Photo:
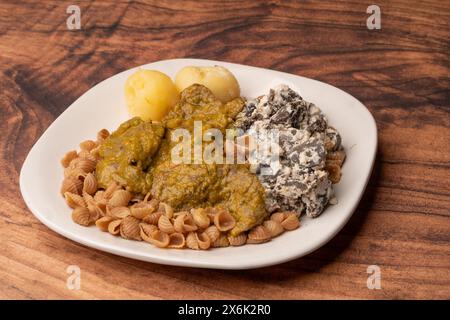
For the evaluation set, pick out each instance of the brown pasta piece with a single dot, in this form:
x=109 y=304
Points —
x=334 y=172
x=221 y=241
x=87 y=165
x=102 y=135
x=87 y=145
x=184 y=223
x=120 y=198
x=291 y=222
x=74 y=200
x=82 y=216
x=103 y=223
x=152 y=218
x=258 y=234
x=118 y=212
x=278 y=216
x=112 y=186
x=337 y=156
x=68 y=157
x=129 y=228
x=90 y=184
x=176 y=240
x=238 y=240
x=71 y=185
x=224 y=221
x=114 y=226
x=212 y=232
x=274 y=227
x=165 y=225
x=159 y=239
x=200 y=217
x=146 y=231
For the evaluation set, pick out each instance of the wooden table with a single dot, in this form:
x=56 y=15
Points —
x=400 y=72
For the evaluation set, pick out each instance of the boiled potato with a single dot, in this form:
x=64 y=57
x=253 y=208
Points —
x=150 y=94
x=219 y=80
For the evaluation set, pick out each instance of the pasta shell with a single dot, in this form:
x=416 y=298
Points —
x=74 y=200
x=87 y=165
x=278 y=216
x=338 y=156
x=291 y=222
x=203 y=241
x=88 y=145
x=102 y=135
x=68 y=157
x=146 y=231
x=176 y=240
x=120 y=198
x=99 y=196
x=210 y=212
x=74 y=162
x=224 y=221
x=274 y=227
x=103 y=223
x=152 y=218
x=200 y=217
x=239 y=240
x=258 y=234
x=114 y=226
x=71 y=185
x=198 y=241
x=140 y=212
x=212 y=232
x=76 y=173
x=165 y=225
x=129 y=228
x=166 y=209
x=221 y=241
x=96 y=210
x=184 y=223
x=334 y=172
x=82 y=216
x=112 y=186
x=95 y=153
x=159 y=239
x=118 y=212
x=90 y=184
x=192 y=241
x=84 y=154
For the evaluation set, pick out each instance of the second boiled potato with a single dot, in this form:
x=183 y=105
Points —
x=219 y=80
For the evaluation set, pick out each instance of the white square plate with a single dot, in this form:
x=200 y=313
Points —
x=103 y=106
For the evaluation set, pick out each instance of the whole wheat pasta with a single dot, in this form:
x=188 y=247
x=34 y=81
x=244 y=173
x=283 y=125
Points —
x=68 y=157
x=238 y=240
x=82 y=216
x=200 y=218
x=165 y=225
x=119 y=198
x=176 y=240
x=224 y=221
x=129 y=228
x=258 y=234
x=90 y=184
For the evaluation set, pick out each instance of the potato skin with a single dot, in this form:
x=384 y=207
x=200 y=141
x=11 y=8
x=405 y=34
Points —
x=150 y=94
x=218 y=79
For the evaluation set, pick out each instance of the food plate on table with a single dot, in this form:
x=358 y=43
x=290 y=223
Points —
x=154 y=210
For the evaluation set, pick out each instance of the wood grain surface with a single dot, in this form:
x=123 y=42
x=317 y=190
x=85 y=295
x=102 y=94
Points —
x=401 y=73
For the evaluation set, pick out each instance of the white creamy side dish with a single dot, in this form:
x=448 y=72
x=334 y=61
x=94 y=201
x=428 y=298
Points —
x=301 y=181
